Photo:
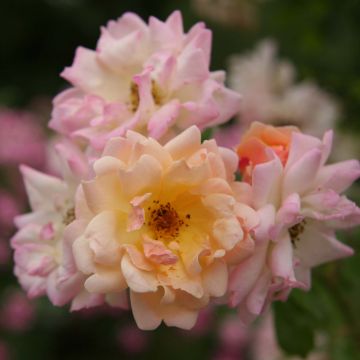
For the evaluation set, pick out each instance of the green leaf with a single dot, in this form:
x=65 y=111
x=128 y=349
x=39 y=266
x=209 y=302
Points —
x=294 y=330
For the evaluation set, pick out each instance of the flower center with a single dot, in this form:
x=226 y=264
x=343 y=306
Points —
x=165 y=221
x=295 y=232
x=134 y=97
x=156 y=93
x=69 y=217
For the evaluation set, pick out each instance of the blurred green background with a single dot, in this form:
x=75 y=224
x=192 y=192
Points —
x=321 y=38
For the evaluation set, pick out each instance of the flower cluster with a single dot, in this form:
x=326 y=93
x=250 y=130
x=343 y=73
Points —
x=145 y=215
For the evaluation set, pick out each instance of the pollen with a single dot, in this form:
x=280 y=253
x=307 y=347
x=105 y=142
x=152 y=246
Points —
x=156 y=93
x=165 y=221
x=69 y=216
x=296 y=231
x=134 y=97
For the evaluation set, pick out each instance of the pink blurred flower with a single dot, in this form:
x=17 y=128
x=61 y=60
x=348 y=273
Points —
x=9 y=208
x=204 y=322
x=132 y=339
x=17 y=312
x=4 y=350
x=233 y=335
x=21 y=139
x=4 y=251
x=159 y=221
x=300 y=206
x=152 y=78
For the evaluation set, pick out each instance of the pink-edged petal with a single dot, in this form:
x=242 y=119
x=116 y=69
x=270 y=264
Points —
x=60 y=293
x=42 y=188
x=288 y=215
x=35 y=286
x=329 y=205
x=266 y=183
x=301 y=144
x=75 y=163
x=327 y=145
x=157 y=252
x=191 y=67
x=120 y=55
x=318 y=245
x=266 y=222
x=300 y=176
x=257 y=298
x=88 y=74
x=339 y=176
x=163 y=119
x=136 y=217
x=244 y=276
x=281 y=259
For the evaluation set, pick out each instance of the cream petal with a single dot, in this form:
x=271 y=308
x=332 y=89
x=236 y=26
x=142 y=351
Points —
x=105 y=193
x=85 y=300
x=184 y=144
x=107 y=164
x=145 y=310
x=105 y=281
x=144 y=176
x=215 y=278
x=83 y=255
x=138 y=280
x=102 y=237
x=180 y=317
x=227 y=232
x=247 y=215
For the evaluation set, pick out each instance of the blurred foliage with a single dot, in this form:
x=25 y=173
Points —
x=321 y=37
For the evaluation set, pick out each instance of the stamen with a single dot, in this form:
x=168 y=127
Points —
x=296 y=231
x=69 y=216
x=164 y=221
x=156 y=93
x=134 y=97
